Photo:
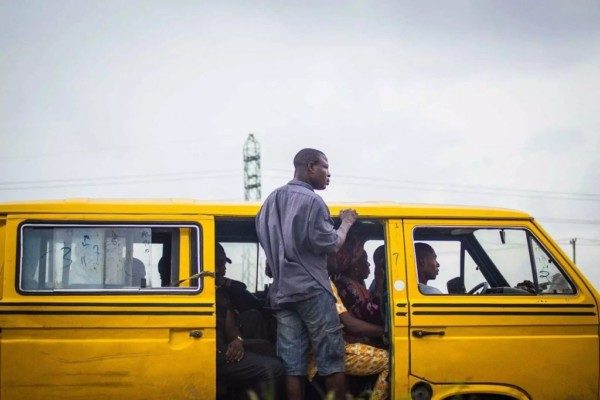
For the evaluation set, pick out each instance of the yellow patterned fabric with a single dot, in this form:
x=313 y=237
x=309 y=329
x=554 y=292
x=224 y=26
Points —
x=338 y=302
x=362 y=359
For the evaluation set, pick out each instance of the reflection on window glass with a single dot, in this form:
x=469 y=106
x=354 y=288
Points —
x=551 y=280
x=509 y=252
x=106 y=257
x=472 y=274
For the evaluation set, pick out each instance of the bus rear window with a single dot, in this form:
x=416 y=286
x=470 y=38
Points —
x=107 y=257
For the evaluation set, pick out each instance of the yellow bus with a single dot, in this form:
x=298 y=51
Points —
x=116 y=300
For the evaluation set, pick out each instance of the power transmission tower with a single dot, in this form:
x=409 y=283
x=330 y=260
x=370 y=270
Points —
x=252 y=192
x=573 y=241
x=252 y=169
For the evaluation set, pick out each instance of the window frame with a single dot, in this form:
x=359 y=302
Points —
x=195 y=256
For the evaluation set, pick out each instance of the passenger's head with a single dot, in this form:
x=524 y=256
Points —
x=164 y=270
x=379 y=256
x=352 y=259
x=164 y=264
x=311 y=166
x=427 y=265
x=379 y=261
x=221 y=259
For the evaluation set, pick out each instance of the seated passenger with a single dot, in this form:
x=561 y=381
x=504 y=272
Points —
x=427 y=267
x=240 y=296
x=248 y=307
x=164 y=267
x=352 y=270
x=239 y=367
x=377 y=286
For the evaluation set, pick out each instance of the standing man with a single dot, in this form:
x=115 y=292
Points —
x=296 y=231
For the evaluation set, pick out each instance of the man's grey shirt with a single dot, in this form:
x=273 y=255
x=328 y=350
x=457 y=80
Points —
x=295 y=229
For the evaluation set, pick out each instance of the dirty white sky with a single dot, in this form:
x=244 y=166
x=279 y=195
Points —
x=462 y=102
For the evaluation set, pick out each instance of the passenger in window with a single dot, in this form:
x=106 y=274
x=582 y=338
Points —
x=164 y=266
x=378 y=287
x=248 y=308
x=352 y=270
x=378 y=284
x=427 y=267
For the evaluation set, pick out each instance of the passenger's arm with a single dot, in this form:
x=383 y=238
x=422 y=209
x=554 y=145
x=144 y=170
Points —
x=235 y=347
x=348 y=218
x=358 y=327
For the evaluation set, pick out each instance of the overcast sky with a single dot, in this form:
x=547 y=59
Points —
x=491 y=103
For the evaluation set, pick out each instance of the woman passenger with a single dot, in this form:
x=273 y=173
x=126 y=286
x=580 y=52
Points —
x=352 y=270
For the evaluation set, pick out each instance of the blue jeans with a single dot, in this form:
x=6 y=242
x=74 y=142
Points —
x=315 y=322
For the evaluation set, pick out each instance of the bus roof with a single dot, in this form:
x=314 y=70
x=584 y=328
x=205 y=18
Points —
x=247 y=209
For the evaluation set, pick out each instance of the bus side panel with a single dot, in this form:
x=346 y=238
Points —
x=133 y=363
x=105 y=345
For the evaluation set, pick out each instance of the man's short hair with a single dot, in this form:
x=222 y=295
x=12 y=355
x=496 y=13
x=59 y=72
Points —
x=307 y=156
x=423 y=249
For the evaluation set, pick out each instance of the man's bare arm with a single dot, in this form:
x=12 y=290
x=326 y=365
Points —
x=348 y=218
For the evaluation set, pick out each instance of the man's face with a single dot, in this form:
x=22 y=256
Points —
x=221 y=266
x=428 y=266
x=319 y=173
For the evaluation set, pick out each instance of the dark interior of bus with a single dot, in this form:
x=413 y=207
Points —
x=242 y=233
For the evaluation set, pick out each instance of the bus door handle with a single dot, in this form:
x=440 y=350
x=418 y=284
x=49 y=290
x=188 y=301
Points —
x=419 y=333
x=196 y=334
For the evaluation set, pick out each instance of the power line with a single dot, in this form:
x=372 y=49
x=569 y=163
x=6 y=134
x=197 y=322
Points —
x=578 y=244
x=431 y=187
x=98 y=150
x=116 y=180
x=343 y=179
x=458 y=188
x=581 y=241
x=569 y=221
